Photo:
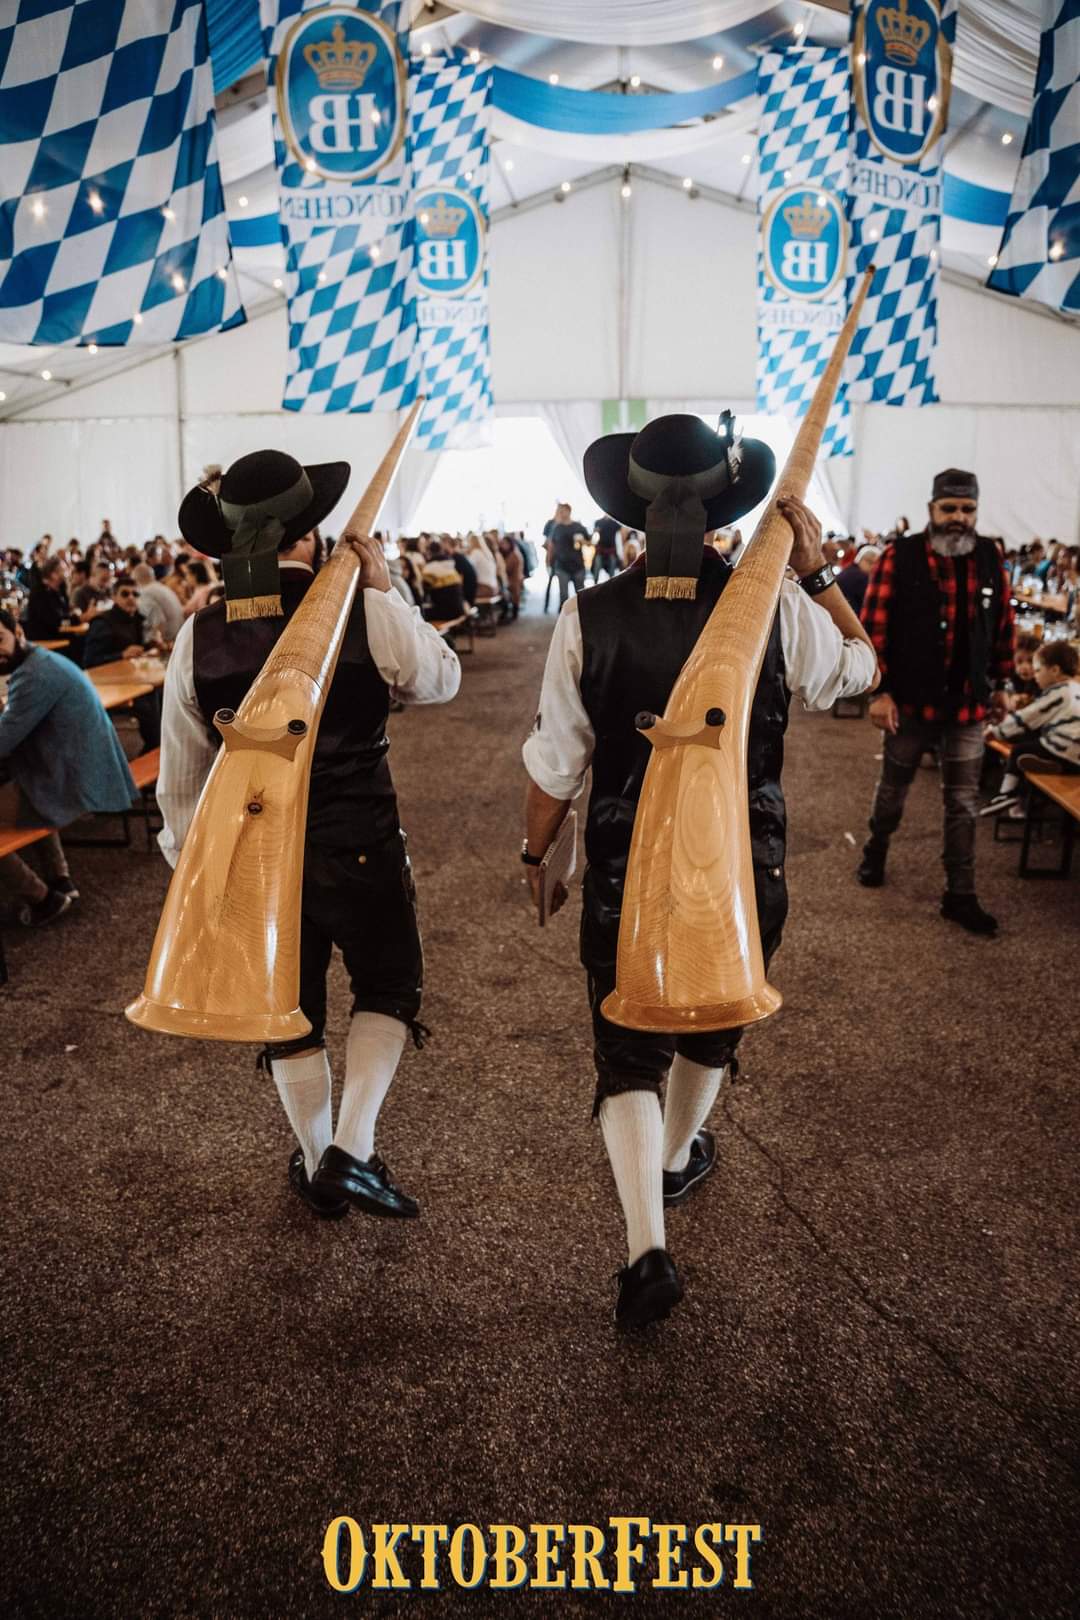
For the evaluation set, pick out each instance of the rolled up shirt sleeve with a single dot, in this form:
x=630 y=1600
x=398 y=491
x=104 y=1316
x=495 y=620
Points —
x=559 y=749
x=820 y=665
x=410 y=655
x=187 y=752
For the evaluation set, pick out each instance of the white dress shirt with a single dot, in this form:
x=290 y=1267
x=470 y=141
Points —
x=819 y=667
x=411 y=657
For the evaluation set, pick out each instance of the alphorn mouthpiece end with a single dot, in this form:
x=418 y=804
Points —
x=644 y=721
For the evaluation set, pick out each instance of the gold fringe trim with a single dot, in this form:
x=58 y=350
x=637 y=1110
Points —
x=671 y=587
x=253 y=607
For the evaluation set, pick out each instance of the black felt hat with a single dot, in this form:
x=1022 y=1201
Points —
x=676 y=446
x=242 y=516
x=677 y=479
x=208 y=519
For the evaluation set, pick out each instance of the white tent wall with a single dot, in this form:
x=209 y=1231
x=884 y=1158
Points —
x=676 y=276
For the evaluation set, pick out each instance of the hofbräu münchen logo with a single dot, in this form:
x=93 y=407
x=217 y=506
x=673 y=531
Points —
x=902 y=71
x=804 y=241
x=341 y=94
x=449 y=243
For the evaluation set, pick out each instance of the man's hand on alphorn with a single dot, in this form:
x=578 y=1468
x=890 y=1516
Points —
x=374 y=574
x=806 y=554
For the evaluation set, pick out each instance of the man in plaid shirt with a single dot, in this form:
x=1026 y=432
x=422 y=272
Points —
x=938 y=610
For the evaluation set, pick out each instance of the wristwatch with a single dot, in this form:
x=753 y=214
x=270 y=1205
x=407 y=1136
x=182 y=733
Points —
x=530 y=860
x=820 y=580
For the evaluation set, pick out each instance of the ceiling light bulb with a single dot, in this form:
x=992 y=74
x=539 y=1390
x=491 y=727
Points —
x=687 y=183
x=746 y=157
x=376 y=116
x=3 y=396
x=799 y=29
x=553 y=78
x=277 y=282
x=872 y=233
x=717 y=62
x=635 y=81
x=91 y=348
x=168 y=213
x=931 y=102
x=474 y=57
x=787 y=174
x=223 y=274
x=137 y=318
x=626 y=189
x=375 y=250
x=565 y=187
x=309 y=164
x=508 y=165
x=47 y=375
x=992 y=260
x=37 y=208
x=322 y=275
x=96 y=203
x=468 y=174
x=425 y=49
x=179 y=283
x=861 y=59
x=242 y=202
x=424 y=218
x=1057 y=250
x=1006 y=139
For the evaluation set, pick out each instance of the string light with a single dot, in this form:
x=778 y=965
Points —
x=799 y=29
x=822 y=199
x=626 y=188
x=242 y=202
x=931 y=102
x=375 y=250
x=861 y=59
x=137 y=318
x=468 y=174
x=635 y=81
x=992 y=260
x=38 y=209
x=746 y=157
x=168 y=213
x=1057 y=250
x=717 y=63
x=873 y=233
x=376 y=116
x=474 y=57
x=96 y=203
x=223 y=274
x=565 y=187
x=508 y=165
x=179 y=283
x=3 y=396
x=278 y=283
x=91 y=348
x=425 y=48
x=787 y=174
x=424 y=217
x=687 y=183
x=1006 y=139
x=322 y=276
x=309 y=164
x=553 y=78
x=46 y=376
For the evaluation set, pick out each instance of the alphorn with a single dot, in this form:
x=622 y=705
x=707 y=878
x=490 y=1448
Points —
x=689 y=954
x=225 y=965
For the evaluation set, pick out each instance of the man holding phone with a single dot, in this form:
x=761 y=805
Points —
x=938 y=610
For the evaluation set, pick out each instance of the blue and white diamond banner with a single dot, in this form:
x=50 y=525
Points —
x=112 y=216
x=1039 y=255
x=802 y=244
x=340 y=110
x=449 y=110
x=901 y=69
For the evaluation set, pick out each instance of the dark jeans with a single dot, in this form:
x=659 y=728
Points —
x=1034 y=749
x=960 y=752
x=15 y=875
x=364 y=902
x=567 y=577
x=604 y=562
x=638 y=1060
x=147 y=711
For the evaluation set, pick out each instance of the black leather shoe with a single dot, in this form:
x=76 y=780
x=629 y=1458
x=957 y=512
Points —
x=870 y=871
x=678 y=1184
x=647 y=1290
x=966 y=910
x=330 y=1208
x=365 y=1183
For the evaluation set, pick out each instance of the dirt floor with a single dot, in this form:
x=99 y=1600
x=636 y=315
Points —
x=877 y=1357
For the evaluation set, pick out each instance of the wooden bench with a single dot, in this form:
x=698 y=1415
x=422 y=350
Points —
x=12 y=839
x=487 y=611
x=449 y=629
x=1064 y=791
x=144 y=773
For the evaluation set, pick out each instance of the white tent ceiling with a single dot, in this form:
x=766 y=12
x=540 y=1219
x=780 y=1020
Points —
x=996 y=49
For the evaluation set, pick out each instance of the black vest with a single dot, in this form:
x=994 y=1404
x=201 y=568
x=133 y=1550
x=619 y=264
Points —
x=633 y=651
x=915 y=640
x=351 y=801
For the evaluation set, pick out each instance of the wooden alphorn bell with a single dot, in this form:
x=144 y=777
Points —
x=225 y=964
x=689 y=954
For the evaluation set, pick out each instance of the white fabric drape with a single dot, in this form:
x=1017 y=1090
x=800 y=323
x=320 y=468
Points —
x=997 y=51
x=574 y=424
x=616 y=22
x=62 y=478
x=647 y=146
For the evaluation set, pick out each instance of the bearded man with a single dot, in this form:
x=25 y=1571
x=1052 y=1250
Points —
x=938 y=610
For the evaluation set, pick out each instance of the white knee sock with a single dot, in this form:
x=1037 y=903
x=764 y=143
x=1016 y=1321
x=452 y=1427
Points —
x=633 y=1131
x=303 y=1085
x=371 y=1060
x=691 y=1092
x=1010 y=782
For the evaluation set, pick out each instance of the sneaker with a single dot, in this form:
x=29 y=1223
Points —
x=1000 y=802
x=1016 y=812
x=1036 y=765
x=65 y=885
x=966 y=910
x=46 y=911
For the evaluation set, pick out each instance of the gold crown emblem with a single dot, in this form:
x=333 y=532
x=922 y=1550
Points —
x=443 y=219
x=806 y=218
x=903 y=34
x=342 y=65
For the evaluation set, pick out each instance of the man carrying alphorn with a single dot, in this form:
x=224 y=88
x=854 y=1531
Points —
x=358 y=892
x=616 y=652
